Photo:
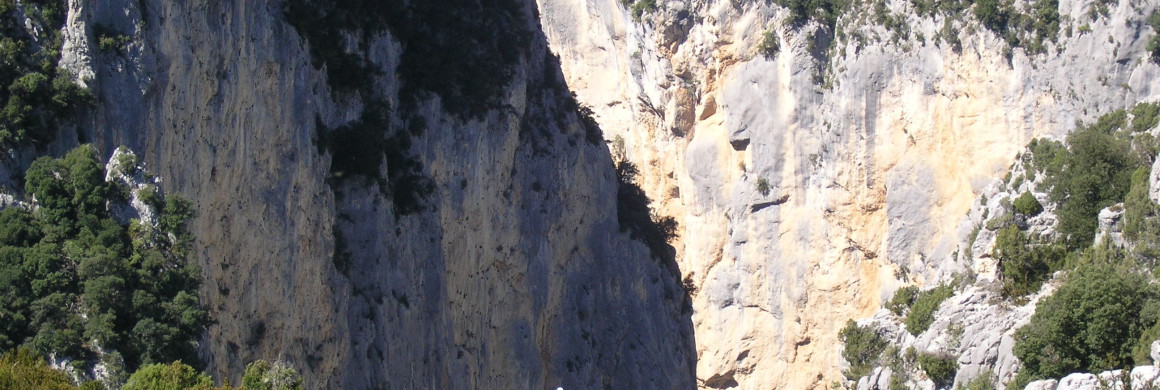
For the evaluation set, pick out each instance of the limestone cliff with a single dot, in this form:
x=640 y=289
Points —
x=507 y=270
x=809 y=187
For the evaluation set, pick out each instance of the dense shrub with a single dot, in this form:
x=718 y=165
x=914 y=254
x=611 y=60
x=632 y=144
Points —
x=863 y=347
x=1090 y=324
x=167 y=377
x=941 y=369
x=24 y=369
x=641 y=7
x=763 y=186
x=922 y=311
x=110 y=40
x=992 y=14
x=770 y=44
x=1030 y=27
x=903 y=298
x=1145 y=116
x=983 y=381
x=825 y=12
x=1154 y=48
x=1154 y=43
x=1043 y=156
x=1142 y=350
x=1025 y=262
x=1026 y=204
x=1138 y=206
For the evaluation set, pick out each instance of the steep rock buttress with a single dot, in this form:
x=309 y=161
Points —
x=502 y=265
x=811 y=183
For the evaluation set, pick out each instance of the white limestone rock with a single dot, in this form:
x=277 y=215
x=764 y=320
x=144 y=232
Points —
x=1155 y=353
x=1079 y=381
x=1154 y=182
x=127 y=173
x=878 y=379
x=1145 y=376
x=1111 y=225
x=1043 y=384
x=75 y=46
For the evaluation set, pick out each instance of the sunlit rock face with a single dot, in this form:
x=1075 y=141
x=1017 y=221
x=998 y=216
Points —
x=809 y=189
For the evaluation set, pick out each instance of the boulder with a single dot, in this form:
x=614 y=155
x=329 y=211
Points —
x=1079 y=381
x=1155 y=352
x=1144 y=377
x=1044 y=384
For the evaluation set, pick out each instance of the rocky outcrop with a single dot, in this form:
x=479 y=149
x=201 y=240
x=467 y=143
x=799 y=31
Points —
x=1139 y=378
x=882 y=151
x=1111 y=225
x=513 y=274
x=969 y=326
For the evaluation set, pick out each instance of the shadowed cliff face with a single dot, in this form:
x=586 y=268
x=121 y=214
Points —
x=506 y=270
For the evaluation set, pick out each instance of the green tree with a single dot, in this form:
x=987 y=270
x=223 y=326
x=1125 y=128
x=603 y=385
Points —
x=1145 y=116
x=1090 y=324
x=174 y=376
x=1026 y=204
x=940 y=369
x=992 y=14
x=1095 y=173
x=43 y=182
x=18 y=228
x=922 y=311
x=86 y=180
x=770 y=45
x=863 y=347
x=903 y=298
x=70 y=257
x=1138 y=207
x=14 y=298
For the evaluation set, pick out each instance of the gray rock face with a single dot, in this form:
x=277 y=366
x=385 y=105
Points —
x=1154 y=182
x=515 y=274
x=1155 y=353
x=878 y=379
x=1111 y=225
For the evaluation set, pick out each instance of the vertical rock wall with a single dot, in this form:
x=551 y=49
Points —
x=869 y=169
x=514 y=275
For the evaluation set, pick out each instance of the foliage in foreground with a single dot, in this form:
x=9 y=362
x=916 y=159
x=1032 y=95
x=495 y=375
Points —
x=1092 y=323
x=24 y=369
x=69 y=256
